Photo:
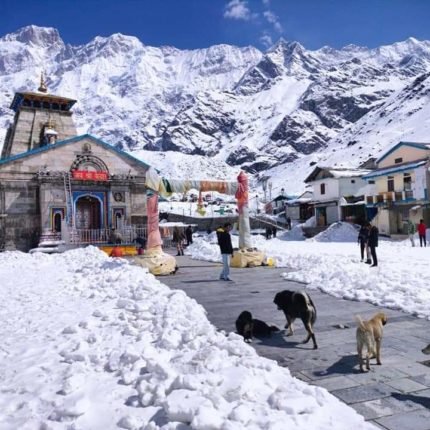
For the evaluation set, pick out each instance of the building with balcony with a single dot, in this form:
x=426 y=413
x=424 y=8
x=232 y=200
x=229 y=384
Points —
x=401 y=187
x=337 y=194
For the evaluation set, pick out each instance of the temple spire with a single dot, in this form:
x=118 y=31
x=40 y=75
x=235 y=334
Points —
x=42 y=87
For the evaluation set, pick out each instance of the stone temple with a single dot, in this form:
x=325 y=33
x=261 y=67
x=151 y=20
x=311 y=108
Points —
x=55 y=183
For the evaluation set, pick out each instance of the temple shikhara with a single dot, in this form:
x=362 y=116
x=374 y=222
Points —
x=55 y=183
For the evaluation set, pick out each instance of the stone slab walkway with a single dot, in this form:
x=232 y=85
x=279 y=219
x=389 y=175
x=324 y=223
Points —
x=394 y=396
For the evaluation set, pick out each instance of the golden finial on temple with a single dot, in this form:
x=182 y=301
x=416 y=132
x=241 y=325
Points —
x=42 y=88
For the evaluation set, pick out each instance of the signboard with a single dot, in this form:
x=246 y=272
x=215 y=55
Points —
x=85 y=175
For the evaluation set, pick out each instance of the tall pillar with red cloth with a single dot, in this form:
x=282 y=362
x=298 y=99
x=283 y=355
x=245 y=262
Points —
x=154 y=237
x=242 y=203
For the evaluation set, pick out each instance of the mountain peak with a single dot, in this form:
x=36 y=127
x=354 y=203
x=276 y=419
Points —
x=283 y=45
x=32 y=34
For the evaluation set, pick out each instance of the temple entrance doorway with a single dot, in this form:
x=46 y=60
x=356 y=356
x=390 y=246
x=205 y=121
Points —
x=57 y=223
x=88 y=213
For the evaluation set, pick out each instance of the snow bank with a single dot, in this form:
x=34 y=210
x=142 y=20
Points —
x=296 y=233
x=399 y=282
x=89 y=342
x=337 y=232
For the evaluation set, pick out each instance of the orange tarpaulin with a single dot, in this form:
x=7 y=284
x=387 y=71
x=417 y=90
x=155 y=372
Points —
x=219 y=186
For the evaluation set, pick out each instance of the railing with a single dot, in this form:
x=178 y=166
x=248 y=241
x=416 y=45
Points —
x=390 y=196
x=106 y=235
x=409 y=194
x=398 y=195
x=268 y=221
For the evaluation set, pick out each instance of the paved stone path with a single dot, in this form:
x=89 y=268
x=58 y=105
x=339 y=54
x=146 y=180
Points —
x=393 y=396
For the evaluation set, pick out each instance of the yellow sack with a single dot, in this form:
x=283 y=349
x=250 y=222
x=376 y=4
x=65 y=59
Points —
x=271 y=262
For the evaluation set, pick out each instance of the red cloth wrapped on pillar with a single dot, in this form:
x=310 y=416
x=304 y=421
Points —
x=242 y=191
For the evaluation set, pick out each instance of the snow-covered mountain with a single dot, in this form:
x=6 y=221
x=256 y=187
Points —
x=275 y=113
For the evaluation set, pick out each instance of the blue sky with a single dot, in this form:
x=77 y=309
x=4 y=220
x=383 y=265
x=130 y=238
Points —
x=201 y=23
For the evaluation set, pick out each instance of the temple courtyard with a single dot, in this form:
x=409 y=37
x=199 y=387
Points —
x=393 y=396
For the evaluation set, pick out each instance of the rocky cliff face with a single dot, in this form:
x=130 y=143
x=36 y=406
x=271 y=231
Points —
x=278 y=111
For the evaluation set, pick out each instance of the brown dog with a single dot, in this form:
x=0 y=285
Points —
x=298 y=304
x=369 y=335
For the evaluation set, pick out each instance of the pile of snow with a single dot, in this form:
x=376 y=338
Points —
x=399 y=282
x=296 y=233
x=337 y=232
x=90 y=342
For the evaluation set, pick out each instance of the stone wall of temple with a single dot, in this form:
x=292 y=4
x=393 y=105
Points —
x=20 y=215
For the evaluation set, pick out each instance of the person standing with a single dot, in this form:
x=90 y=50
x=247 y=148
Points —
x=226 y=248
x=422 y=233
x=363 y=237
x=178 y=237
x=373 y=243
x=189 y=235
x=411 y=232
x=274 y=231
x=289 y=223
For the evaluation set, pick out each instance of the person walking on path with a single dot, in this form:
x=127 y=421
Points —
x=363 y=237
x=289 y=223
x=411 y=231
x=274 y=231
x=189 y=235
x=224 y=242
x=373 y=243
x=268 y=233
x=422 y=233
x=178 y=238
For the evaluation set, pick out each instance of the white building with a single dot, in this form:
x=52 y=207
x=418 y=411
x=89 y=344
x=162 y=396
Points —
x=336 y=194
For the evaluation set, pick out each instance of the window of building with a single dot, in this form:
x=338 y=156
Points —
x=390 y=183
x=322 y=188
x=352 y=181
x=398 y=160
x=372 y=182
x=407 y=182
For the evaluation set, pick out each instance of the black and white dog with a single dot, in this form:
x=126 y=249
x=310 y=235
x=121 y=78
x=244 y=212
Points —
x=298 y=304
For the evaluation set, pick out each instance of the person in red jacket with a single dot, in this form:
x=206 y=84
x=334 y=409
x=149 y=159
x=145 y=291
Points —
x=422 y=233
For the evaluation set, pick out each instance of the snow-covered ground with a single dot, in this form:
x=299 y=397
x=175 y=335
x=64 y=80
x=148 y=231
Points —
x=331 y=263
x=90 y=342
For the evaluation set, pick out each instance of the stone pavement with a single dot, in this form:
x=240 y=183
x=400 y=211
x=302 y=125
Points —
x=394 y=396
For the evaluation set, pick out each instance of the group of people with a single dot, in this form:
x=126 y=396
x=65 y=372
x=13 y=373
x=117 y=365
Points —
x=368 y=240
x=421 y=232
x=179 y=238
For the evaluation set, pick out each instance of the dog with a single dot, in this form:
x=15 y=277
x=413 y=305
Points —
x=426 y=350
x=244 y=325
x=298 y=304
x=369 y=335
x=262 y=329
x=249 y=327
